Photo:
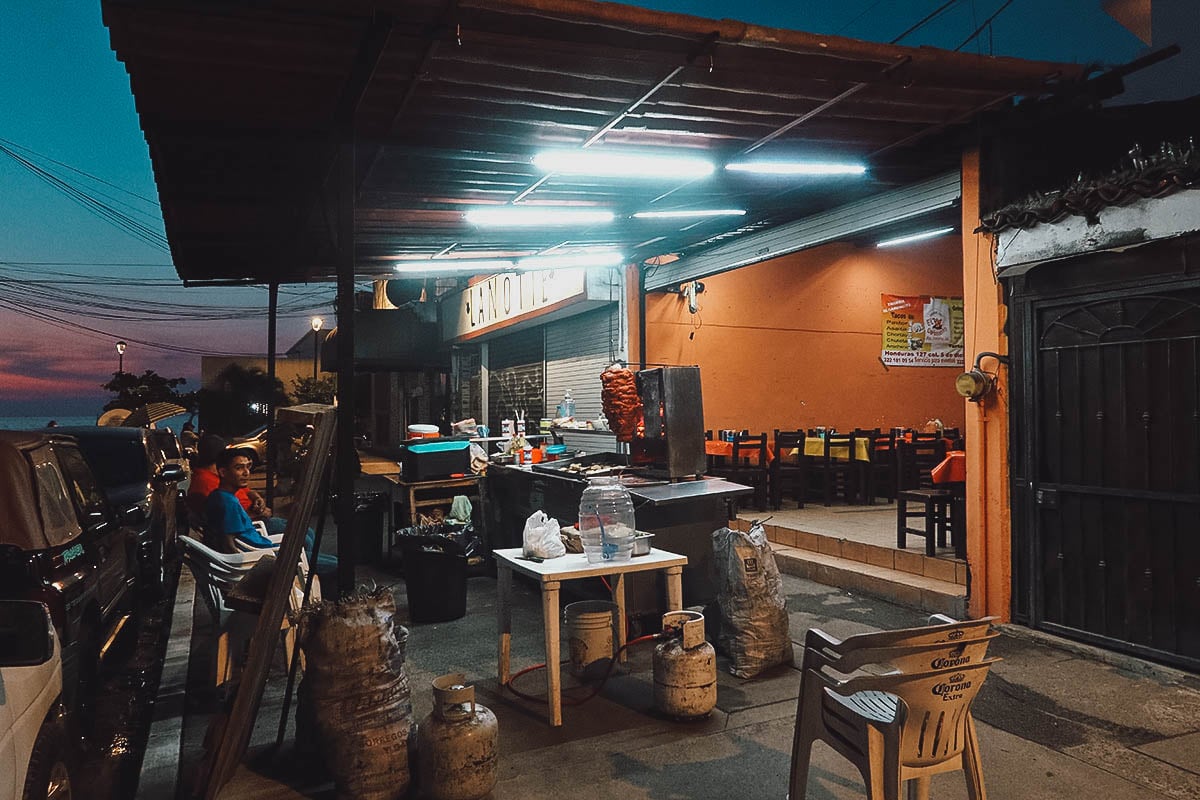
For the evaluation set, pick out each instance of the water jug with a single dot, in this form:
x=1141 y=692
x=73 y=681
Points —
x=606 y=522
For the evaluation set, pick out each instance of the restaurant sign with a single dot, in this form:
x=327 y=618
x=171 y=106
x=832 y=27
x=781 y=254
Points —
x=502 y=299
x=922 y=331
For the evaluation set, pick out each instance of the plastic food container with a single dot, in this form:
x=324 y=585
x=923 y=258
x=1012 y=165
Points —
x=641 y=544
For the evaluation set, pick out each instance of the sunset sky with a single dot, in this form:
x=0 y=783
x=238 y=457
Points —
x=67 y=109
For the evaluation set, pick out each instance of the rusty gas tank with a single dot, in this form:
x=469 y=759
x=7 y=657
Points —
x=685 y=668
x=457 y=744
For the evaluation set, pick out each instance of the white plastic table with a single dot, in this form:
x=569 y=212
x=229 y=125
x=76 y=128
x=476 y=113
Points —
x=550 y=574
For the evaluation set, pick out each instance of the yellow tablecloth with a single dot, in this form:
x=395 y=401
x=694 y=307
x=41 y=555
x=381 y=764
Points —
x=815 y=446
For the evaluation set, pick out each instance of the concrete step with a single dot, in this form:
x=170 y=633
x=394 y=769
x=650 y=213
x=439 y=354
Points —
x=907 y=577
x=930 y=595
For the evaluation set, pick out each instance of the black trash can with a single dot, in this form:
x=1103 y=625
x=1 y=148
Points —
x=435 y=576
x=370 y=514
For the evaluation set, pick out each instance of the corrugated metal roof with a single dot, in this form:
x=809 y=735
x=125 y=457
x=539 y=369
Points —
x=244 y=107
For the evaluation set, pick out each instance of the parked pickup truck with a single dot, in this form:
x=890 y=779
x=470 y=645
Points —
x=62 y=544
x=136 y=479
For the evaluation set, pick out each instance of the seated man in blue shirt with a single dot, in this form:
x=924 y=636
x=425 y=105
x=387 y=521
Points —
x=227 y=518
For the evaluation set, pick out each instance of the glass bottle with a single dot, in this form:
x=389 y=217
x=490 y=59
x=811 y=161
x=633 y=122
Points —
x=606 y=521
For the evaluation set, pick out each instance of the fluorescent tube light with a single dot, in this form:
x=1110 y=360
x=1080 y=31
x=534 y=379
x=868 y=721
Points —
x=914 y=237
x=453 y=266
x=536 y=216
x=813 y=168
x=599 y=258
x=621 y=165
x=684 y=214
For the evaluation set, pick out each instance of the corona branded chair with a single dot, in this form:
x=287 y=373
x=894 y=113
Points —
x=905 y=713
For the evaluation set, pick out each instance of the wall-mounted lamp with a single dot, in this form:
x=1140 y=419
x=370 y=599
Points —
x=690 y=290
x=975 y=383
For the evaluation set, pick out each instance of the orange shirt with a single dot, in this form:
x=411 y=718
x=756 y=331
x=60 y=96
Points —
x=203 y=482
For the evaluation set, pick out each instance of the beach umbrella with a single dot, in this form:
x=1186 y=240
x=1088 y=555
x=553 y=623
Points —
x=151 y=412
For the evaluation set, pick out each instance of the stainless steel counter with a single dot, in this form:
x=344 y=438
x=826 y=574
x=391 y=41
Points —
x=683 y=491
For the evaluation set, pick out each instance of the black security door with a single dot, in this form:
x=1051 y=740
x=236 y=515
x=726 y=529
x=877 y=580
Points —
x=1107 y=502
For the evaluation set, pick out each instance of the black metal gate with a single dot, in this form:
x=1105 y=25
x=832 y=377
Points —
x=1106 y=496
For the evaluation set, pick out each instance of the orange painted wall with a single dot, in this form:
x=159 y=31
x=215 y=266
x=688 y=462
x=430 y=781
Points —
x=989 y=517
x=795 y=341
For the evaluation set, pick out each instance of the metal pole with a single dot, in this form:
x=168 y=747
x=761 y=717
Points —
x=272 y=326
x=315 y=333
x=346 y=460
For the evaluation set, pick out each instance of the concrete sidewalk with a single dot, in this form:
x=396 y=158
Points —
x=1055 y=719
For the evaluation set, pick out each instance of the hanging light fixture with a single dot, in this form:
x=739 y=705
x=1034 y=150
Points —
x=809 y=168
x=608 y=164
x=536 y=216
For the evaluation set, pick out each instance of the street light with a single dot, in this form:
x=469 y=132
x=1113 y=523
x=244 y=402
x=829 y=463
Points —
x=121 y=356
x=316 y=322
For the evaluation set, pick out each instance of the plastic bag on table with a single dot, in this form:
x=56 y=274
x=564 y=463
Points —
x=753 y=618
x=541 y=538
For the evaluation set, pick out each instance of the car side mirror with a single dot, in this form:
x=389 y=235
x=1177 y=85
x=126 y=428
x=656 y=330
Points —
x=171 y=474
x=26 y=634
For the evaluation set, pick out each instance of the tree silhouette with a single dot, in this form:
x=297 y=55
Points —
x=307 y=390
x=240 y=400
x=133 y=391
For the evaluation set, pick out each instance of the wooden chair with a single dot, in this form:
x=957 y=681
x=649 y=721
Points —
x=905 y=721
x=878 y=475
x=836 y=475
x=789 y=470
x=751 y=466
x=914 y=484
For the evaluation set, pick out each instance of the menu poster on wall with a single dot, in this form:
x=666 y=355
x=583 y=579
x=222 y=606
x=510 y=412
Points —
x=922 y=331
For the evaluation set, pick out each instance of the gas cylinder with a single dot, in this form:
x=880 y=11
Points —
x=685 y=668
x=457 y=743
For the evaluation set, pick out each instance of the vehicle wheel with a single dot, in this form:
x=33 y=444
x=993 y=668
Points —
x=50 y=766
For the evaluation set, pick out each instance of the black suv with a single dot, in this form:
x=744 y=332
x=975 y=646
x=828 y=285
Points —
x=136 y=478
x=61 y=544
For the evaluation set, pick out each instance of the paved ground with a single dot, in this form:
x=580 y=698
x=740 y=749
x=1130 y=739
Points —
x=1055 y=719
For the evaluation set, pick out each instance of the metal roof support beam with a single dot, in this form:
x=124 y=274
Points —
x=272 y=327
x=431 y=48
x=343 y=168
x=703 y=48
x=853 y=90
x=345 y=460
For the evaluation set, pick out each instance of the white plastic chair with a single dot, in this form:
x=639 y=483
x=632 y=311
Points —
x=216 y=573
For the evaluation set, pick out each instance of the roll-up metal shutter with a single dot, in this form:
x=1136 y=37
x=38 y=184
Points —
x=577 y=350
x=516 y=377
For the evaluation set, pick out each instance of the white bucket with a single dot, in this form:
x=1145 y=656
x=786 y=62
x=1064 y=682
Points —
x=423 y=431
x=591 y=637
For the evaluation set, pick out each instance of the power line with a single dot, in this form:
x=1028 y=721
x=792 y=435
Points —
x=89 y=176
x=927 y=18
x=985 y=24
x=858 y=16
x=90 y=203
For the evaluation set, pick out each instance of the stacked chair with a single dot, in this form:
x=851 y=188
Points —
x=216 y=574
x=896 y=704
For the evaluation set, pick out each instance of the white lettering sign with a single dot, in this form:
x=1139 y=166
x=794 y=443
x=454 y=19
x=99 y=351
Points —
x=503 y=298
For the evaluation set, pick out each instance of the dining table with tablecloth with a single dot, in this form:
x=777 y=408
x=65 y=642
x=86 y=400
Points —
x=815 y=446
x=722 y=448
